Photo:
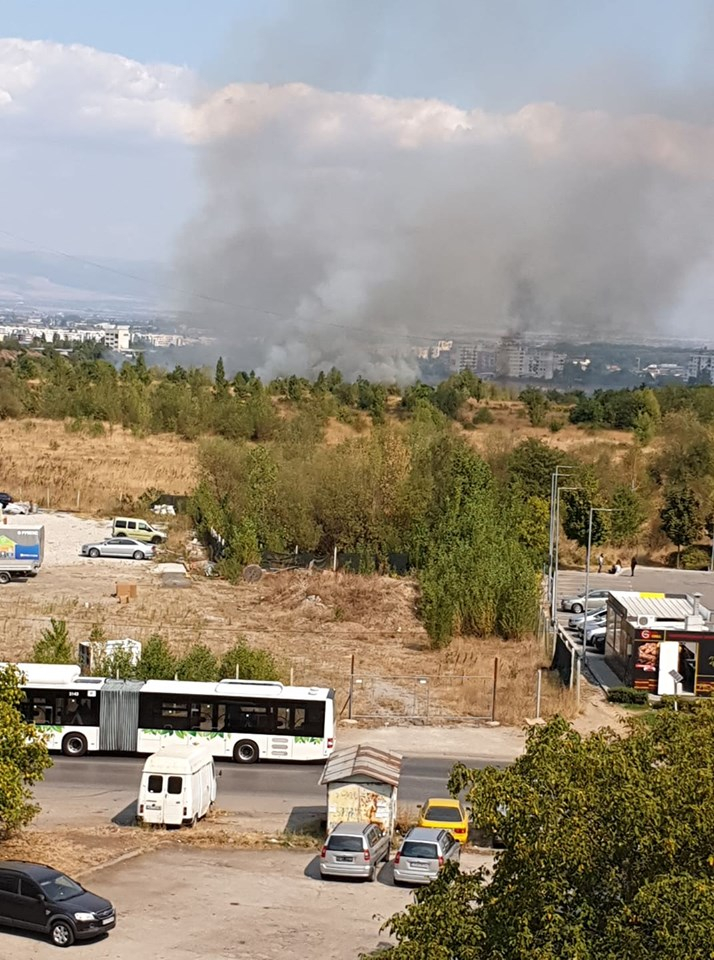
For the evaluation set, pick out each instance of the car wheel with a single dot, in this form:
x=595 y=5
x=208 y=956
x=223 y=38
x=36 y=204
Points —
x=62 y=934
x=74 y=745
x=139 y=555
x=577 y=608
x=93 y=553
x=5 y=576
x=245 y=751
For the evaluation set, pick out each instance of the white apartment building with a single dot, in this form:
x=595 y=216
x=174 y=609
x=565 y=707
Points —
x=117 y=338
x=700 y=365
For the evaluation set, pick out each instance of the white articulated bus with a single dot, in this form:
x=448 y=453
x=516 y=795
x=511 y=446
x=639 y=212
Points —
x=245 y=720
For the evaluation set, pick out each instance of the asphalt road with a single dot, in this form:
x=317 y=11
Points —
x=96 y=790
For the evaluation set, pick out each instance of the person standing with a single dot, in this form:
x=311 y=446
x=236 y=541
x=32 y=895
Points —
x=600 y=561
x=633 y=565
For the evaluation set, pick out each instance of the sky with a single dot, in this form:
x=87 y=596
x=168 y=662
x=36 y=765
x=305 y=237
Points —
x=201 y=134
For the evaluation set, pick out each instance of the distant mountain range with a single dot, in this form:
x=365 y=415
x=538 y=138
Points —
x=46 y=280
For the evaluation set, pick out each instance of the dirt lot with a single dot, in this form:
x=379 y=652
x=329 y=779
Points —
x=183 y=904
x=311 y=621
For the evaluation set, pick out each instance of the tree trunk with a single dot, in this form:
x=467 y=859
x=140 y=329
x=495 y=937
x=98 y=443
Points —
x=679 y=551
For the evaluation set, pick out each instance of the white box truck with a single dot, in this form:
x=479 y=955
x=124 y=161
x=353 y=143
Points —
x=178 y=786
x=22 y=549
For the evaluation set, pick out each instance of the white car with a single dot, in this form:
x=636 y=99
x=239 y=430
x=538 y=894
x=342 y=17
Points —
x=121 y=548
x=580 y=618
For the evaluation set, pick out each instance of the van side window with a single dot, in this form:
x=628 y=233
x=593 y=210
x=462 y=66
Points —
x=156 y=783
x=28 y=888
x=175 y=784
x=8 y=883
x=131 y=524
x=120 y=524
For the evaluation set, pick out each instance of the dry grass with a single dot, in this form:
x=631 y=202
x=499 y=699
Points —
x=45 y=463
x=313 y=623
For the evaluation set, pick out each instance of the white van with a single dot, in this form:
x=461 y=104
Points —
x=178 y=785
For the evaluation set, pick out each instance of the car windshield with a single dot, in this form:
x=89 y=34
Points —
x=345 y=844
x=443 y=814
x=60 y=888
x=419 y=850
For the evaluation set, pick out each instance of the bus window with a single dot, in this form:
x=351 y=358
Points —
x=201 y=716
x=42 y=713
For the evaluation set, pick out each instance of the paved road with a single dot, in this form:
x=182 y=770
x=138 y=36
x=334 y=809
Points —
x=97 y=789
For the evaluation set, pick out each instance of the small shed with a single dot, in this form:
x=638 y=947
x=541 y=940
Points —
x=362 y=786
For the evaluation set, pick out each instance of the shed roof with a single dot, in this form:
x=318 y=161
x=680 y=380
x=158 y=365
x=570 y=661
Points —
x=662 y=606
x=383 y=766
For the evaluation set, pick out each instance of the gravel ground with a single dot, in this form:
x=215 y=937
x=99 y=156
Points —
x=224 y=905
x=64 y=536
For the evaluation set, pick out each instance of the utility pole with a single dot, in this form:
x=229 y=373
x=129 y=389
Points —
x=593 y=510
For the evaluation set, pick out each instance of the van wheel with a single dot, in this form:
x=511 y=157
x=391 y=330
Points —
x=156 y=540
x=74 y=745
x=5 y=576
x=120 y=533
x=245 y=752
x=62 y=934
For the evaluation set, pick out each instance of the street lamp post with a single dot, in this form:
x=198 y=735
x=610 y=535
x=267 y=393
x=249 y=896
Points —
x=556 y=544
x=593 y=510
x=553 y=493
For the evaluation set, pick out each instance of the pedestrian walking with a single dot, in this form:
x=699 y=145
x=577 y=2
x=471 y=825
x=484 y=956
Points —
x=633 y=565
x=600 y=561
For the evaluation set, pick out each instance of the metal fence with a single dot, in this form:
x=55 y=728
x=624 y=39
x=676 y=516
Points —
x=422 y=697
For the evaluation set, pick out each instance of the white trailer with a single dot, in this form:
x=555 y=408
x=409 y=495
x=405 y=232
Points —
x=178 y=785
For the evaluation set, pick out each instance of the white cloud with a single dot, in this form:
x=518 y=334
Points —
x=77 y=90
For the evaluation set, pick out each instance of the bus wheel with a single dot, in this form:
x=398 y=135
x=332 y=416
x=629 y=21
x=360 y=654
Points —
x=245 y=752
x=74 y=745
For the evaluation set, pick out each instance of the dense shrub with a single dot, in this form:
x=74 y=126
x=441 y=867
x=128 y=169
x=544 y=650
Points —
x=626 y=695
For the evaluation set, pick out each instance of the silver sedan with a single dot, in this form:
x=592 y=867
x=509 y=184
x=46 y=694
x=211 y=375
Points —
x=122 y=548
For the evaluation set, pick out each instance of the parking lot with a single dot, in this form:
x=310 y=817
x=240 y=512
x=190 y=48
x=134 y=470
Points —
x=218 y=905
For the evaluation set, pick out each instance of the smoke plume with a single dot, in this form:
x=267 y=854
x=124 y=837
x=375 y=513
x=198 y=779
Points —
x=346 y=227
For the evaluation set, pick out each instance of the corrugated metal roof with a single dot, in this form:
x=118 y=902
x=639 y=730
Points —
x=661 y=606
x=383 y=766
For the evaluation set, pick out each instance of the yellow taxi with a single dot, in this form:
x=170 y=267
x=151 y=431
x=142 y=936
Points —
x=445 y=815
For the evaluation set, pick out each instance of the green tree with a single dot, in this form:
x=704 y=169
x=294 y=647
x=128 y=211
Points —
x=157 y=662
x=628 y=515
x=199 y=664
x=576 y=518
x=54 y=644
x=536 y=404
x=606 y=851
x=220 y=375
x=532 y=463
x=680 y=519
x=251 y=663
x=23 y=755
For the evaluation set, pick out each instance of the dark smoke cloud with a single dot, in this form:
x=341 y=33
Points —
x=343 y=228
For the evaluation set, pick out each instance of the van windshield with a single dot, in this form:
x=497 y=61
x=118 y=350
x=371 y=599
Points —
x=345 y=844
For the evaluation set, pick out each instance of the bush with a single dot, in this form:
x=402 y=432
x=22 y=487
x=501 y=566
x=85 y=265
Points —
x=54 y=645
x=555 y=426
x=692 y=558
x=627 y=695
x=252 y=664
x=482 y=415
x=199 y=665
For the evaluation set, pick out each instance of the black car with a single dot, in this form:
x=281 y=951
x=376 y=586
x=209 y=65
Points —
x=39 y=898
x=5 y=498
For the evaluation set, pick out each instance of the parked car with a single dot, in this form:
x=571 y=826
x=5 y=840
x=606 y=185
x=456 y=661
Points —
x=595 y=638
x=576 y=604
x=588 y=625
x=137 y=529
x=120 y=548
x=40 y=898
x=422 y=853
x=445 y=814
x=579 y=618
x=5 y=498
x=354 y=850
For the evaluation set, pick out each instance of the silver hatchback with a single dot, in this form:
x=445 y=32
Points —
x=354 y=850
x=423 y=852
